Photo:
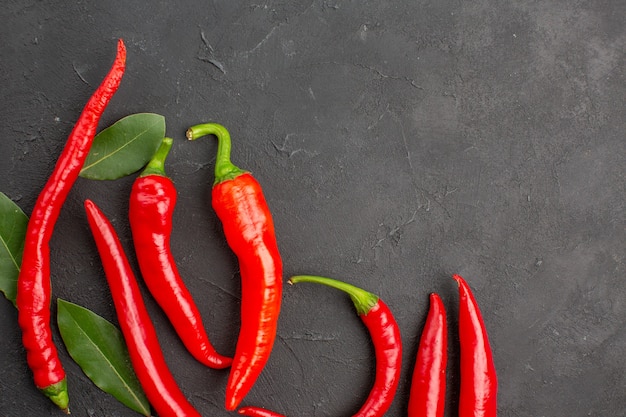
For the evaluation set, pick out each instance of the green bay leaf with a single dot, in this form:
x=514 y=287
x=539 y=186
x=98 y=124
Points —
x=98 y=347
x=124 y=147
x=13 y=223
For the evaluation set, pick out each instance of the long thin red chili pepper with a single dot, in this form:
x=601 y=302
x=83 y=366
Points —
x=239 y=203
x=385 y=335
x=143 y=346
x=33 y=284
x=428 y=385
x=478 y=374
x=251 y=411
x=152 y=202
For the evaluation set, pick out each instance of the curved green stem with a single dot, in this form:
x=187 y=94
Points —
x=156 y=166
x=363 y=300
x=224 y=168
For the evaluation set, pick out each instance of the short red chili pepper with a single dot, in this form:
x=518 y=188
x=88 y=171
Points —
x=238 y=201
x=385 y=336
x=152 y=202
x=478 y=374
x=143 y=346
x=251 y=411
x=33 y=284
x=428 y=385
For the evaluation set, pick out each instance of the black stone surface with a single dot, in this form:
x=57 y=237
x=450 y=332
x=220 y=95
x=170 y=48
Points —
x=397 y=144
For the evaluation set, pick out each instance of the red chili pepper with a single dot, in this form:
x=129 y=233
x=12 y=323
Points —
x=258 y=412
x=428 y=385
x=478 y=374
x=33 y=284
x=141 y=338
x=152 y=202
x=385 y=336
x=239 y=203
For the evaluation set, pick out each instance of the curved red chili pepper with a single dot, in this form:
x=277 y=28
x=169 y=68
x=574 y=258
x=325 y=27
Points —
x=385 y=335
x=239 y=203
x=258 y=412
x=139 y=333
x=478 y=374
x=33 y=284
x=428 y=385
x=152 y=202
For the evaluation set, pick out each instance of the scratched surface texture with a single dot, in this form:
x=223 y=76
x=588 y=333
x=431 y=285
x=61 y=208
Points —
x=397 y=143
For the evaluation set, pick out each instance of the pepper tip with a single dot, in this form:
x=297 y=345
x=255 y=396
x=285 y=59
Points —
x=121 y=50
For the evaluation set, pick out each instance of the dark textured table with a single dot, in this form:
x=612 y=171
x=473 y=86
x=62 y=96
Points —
x=396 y=144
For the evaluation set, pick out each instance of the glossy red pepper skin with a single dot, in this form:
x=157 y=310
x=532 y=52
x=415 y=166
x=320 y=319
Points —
x=141 y=338
x=33 y=284
x=151 y=209
x=249 y=231
x=257 y=412
x=478 y=373
x=239 y=203
x=388 y=347
x=428 y=385
x=386 y=338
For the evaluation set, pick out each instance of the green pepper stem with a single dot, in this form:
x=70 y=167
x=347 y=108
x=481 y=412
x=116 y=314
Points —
x=156 y=166
x=363 y=300
x=224 y=168
x=58 y=394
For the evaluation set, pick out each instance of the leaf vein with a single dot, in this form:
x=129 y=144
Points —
x=8 y=250
x=111 y=365
x=109 y=155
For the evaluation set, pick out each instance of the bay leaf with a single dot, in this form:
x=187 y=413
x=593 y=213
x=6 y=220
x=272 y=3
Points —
x=13 y=223
x=98 y=347
x=124 y=147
